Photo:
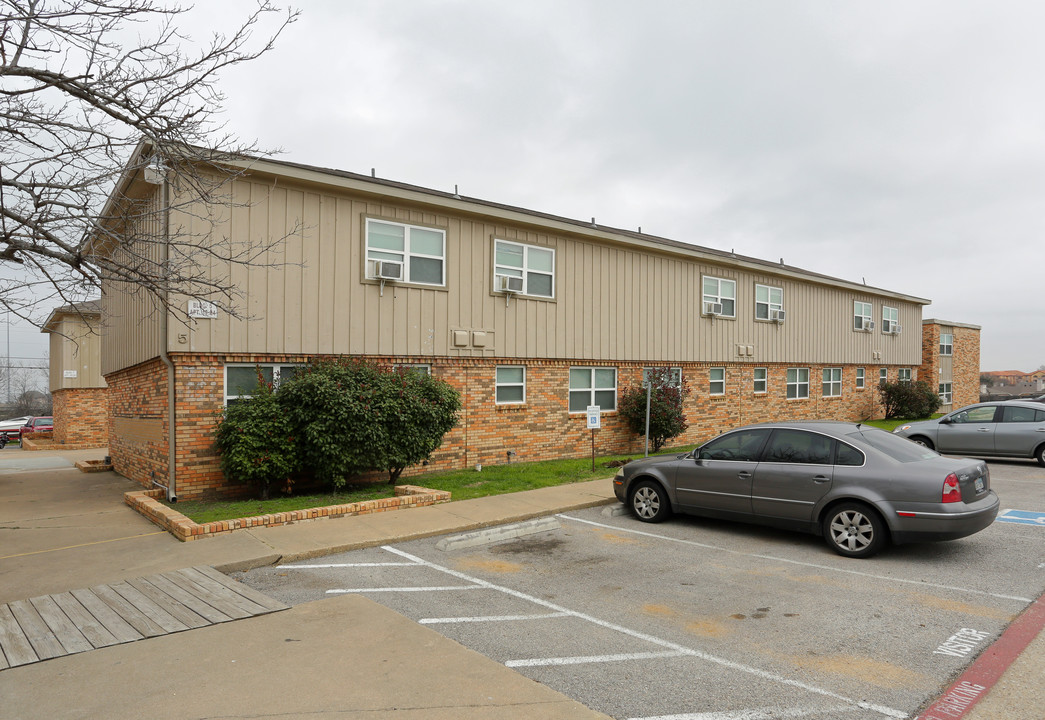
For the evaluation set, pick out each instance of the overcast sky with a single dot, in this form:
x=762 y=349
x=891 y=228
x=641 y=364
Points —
x=898 y=142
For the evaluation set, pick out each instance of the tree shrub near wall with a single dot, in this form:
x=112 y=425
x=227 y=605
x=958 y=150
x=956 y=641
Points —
x=418 y=411
x=255 y=441
x=667 y=419
x=909 y=399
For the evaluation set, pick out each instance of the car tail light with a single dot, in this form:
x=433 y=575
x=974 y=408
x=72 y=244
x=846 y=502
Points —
x=952 y=492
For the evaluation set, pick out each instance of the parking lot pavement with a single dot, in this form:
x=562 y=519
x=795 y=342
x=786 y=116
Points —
x=698 y=616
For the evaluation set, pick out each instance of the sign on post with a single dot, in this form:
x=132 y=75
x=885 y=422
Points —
x=594 y=417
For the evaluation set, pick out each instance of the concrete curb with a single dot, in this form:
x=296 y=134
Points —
x=497 y=534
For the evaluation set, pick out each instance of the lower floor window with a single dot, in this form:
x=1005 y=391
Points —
x=241 y=381
x=903 y=375
x=832 y=386
x=945 y=393
x=761 y=380
x=510 y=381
x=859 y=378
x=797 y=383
x=717 y=384
x=593 y=386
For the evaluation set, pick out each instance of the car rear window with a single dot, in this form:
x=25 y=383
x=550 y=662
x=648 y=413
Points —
x=896 y=447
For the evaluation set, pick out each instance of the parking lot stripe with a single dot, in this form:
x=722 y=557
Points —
x=346 y=565
x=681 y=649
x=434 y=588
x=585 y=659
x=763 y=714
x=919 y=583
x=491 y=618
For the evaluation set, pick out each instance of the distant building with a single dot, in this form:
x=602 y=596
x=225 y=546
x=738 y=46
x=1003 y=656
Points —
x=78 y=390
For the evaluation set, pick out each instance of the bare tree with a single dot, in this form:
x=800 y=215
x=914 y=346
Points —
x=86 y=102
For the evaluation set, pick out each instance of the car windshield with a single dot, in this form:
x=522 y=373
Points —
x=896 y=447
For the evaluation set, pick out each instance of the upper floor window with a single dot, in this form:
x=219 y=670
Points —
x=720 y=296
x=946 y=343
x=593 y=386
x=769 y=302
x=797 y=383
x=415 y=254
x=510 y=381
x=832 y=384
x=890 y=320
x=534 y=268
x=862 y=316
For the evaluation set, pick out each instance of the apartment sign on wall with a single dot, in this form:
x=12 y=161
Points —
x=202 y=310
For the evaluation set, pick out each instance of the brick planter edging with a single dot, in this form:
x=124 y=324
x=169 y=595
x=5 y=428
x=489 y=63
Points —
x=181 y=527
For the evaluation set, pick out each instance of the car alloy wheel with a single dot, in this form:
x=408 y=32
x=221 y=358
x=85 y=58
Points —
x=1039 y=454
x=924 y=442
x=854 y=530
x=649 y=503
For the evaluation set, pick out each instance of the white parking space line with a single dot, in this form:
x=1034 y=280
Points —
x=678 y=650
x=586 y=659
x=919 y=583
x=490 y=618
x=763 y=714
x=444 y=588
x=346 y=565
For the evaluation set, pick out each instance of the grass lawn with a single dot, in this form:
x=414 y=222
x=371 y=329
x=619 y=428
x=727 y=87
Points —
x=462 y=484
x=890 y=425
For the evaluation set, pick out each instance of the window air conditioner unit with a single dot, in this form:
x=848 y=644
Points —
x=897 y=328
x=777 y=315
x=509 y=284
x=386 y=270
x=866 y=325
x=712 y=308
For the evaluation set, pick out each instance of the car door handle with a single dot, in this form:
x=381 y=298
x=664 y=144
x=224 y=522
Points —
x=744 y=474
x=821 y=479
x=983 y=429
x=1039 y=429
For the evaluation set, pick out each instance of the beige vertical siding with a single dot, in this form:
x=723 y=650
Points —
x=613 y=302
x=75 y=346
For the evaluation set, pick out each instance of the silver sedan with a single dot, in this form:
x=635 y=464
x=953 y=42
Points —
x=1011 y=428
x=859 y=487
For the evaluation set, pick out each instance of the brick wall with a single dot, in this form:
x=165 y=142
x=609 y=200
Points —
x=542 y=428
x=965 y=381
x=81 y=416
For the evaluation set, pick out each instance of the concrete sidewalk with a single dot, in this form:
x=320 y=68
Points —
x=344 y=657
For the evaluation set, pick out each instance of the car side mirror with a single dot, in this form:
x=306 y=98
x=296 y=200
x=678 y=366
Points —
x=945 y=421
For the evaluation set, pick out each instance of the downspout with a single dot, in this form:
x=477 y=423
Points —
x=172 y=495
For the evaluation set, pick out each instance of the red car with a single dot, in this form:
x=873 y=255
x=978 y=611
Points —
x=44 y=423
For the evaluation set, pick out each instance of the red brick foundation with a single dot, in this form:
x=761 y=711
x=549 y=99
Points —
x=541 y=428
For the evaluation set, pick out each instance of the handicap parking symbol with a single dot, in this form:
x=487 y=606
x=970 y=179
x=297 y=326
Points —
x=1022 y=517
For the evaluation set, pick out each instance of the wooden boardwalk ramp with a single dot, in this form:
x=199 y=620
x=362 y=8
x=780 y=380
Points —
x=51 y=626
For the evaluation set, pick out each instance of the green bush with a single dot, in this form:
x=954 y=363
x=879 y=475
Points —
x=667 y=419
x=908 y=399
x=418 y=411
x=255 y=441
x=336 y=407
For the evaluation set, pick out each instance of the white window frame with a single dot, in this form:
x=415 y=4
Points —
x=769 y=304
x=946 y=345
x=592 y=389
x=883 y=376
x=890 y=315
x=861 y=311
x=831 y=385
x=903 y=375
x=718 y=296
x=764 y=380
x=498 y=385
x=274 y=367
x=716 y=385
x=676 y=376
x=526 y=270
x=946 y=393
x=413 y=367
x=797 y=383
x=861 y=378
x=407 y=255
